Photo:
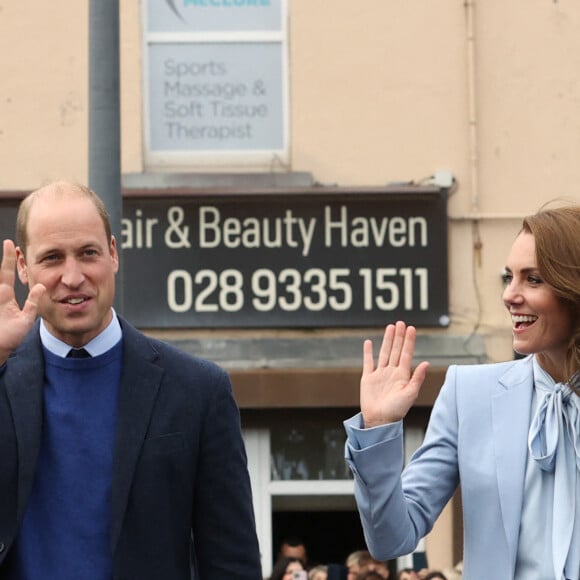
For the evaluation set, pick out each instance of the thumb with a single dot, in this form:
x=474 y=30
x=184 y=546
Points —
x=418 y=376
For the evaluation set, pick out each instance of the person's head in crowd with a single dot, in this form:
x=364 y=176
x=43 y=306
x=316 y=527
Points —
x=293 y=547
x=435 y=575
x=319 y=572
x=358 y=562
x=285 y=567
x=407 y=574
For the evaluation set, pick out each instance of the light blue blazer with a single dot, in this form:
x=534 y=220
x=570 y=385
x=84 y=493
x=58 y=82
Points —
x=476 y=438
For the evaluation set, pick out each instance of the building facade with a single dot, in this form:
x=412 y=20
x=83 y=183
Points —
x=239 y=117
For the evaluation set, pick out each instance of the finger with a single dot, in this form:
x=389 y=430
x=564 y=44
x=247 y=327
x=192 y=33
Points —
x=386 y=346
x=398 y=342
x=408 y=347
x=418 y=376
x=368 y=359
x=30 y=308
x=8 y=265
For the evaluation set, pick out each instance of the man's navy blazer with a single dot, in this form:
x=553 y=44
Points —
x=179 y=467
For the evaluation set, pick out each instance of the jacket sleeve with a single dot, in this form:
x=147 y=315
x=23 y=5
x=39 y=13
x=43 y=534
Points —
x=398 y=510
x=224 y=535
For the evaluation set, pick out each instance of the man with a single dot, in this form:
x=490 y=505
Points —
x=358 y=562
x=293 y=547
x=125 y=465
x=407 y=574
x=361 y=561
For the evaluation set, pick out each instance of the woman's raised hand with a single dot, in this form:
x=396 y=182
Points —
x=389 y=389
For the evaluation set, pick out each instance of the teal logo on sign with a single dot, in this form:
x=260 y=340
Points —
x=171 y=4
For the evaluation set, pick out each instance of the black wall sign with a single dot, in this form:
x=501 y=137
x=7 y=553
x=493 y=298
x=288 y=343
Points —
x=341 y=259
x=345 y=258
x=8 y=211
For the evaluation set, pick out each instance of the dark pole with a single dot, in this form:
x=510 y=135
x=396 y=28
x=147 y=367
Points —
x=105 y=117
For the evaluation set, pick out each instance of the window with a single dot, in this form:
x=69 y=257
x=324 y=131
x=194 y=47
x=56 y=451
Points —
x=216 y=83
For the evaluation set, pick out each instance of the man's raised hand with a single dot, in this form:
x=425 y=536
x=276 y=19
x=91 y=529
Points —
x=15 y=322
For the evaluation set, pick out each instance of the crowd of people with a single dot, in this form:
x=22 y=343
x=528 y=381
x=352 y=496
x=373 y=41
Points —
x=292 y=564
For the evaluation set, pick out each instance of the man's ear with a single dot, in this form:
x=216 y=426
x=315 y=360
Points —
x=114 y=254
x=21 y=266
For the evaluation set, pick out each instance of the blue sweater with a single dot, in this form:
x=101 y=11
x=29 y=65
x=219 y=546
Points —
x=66 y=529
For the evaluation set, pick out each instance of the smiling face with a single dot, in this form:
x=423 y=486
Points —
x=541 y=323
x=69 y=253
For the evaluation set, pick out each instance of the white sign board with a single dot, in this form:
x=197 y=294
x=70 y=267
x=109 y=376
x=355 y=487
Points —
x=216 y=84
x=215 y=96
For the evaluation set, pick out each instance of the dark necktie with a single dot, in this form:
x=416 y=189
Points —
x=78 y=353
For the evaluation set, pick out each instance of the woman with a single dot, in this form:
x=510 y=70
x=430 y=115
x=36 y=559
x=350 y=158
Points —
x=494 y=428
x=285 y=567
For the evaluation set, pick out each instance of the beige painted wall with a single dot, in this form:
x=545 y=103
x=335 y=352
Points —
x=43 y=88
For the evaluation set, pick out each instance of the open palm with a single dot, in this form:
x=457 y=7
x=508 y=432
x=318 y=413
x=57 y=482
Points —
x=15 y=322
x=389 y=389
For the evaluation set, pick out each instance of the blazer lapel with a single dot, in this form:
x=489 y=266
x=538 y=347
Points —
x=511 y=407
x=137 y=394
x=24 y=380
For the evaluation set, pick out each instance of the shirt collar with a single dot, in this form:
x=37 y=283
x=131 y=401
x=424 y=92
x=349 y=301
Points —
x=103 y=342
x=542 y=379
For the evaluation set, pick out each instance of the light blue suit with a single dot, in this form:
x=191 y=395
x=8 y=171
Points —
x=477 y=437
